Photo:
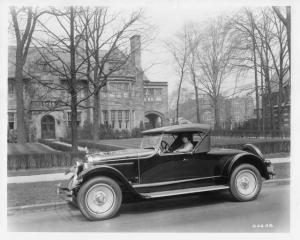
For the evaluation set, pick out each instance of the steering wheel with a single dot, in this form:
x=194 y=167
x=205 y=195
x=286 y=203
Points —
x=164 y=145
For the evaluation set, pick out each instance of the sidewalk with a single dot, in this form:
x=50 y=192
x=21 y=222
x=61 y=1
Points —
x=62 y=176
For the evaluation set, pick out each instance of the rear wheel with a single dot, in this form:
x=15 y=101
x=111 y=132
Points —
x=99 y=198
x=245 y=182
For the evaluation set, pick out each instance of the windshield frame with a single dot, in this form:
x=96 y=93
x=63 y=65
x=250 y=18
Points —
x=157 y=147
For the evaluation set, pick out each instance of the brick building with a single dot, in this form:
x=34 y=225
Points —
x=128 y=100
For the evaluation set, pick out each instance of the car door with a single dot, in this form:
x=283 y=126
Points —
x=200 y=165
x=164 y=167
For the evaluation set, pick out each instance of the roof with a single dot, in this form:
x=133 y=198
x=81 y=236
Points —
x=34 y=56
x=191 y=127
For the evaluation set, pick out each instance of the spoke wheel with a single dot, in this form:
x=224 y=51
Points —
x=245 y=182
x=99 y=198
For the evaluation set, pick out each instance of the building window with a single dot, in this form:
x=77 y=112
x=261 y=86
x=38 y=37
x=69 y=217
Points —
x=11 y=120
x=120 y=118
x=11 y=88
x=78 y=119
x=119 y=90
x=105 y=116
x=113 y=118
x=153 y=94
x=126 y=118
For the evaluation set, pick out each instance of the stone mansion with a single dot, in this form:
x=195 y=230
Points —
x=128 y=100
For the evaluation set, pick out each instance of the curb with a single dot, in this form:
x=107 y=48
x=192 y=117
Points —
x=36 y=207
x=281 y=181
x=59 y=205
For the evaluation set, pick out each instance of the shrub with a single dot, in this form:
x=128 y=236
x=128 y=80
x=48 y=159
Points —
x=136 y=132
x=85 y=132
x=12 y=136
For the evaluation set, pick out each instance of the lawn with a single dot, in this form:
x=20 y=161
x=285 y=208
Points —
x=32 y=193
x=28 y=148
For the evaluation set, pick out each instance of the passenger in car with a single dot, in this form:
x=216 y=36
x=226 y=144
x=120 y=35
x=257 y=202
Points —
x=187 y=146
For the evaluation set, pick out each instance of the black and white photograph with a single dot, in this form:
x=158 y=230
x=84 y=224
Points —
x=149 y=117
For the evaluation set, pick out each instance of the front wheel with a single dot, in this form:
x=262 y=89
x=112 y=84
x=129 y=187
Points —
x=99 y=198
x=245 y=182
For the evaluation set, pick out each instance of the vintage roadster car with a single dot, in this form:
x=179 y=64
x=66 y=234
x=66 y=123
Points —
x=102 y=181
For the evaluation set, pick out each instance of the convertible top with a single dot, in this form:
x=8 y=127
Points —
x=190 y=127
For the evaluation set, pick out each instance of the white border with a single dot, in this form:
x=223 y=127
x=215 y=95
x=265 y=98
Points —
x=295 y=116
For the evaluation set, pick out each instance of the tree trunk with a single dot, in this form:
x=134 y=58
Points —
x=73 y=83
x=88 y=104
x=21 y=134
x=216 y=112
x=178 y=97
x=96 y=116
x=196 y=98
x=256 y=86
x=262 y=101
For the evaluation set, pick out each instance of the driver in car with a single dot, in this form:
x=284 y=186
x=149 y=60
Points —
x=187 y=146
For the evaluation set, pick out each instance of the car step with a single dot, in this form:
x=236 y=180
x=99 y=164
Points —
x=183 y=191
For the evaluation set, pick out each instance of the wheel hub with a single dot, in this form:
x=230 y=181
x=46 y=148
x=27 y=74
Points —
x=100 y=198
x=244 y=183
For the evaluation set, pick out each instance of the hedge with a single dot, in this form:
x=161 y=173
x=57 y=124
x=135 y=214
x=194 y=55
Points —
x=43 y=160
x=265 y=147
x=96 y=146
x=66 y=159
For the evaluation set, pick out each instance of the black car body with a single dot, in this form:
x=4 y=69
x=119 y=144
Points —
x=102 y=181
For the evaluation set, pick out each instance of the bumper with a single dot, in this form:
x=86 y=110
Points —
x=64 y=192
x=270 y=169
x=67 y=191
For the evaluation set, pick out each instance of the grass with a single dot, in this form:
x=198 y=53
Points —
x=32 y=193
x=45 y=192
x=28 y=148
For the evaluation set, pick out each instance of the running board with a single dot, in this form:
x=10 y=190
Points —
x=183 y=191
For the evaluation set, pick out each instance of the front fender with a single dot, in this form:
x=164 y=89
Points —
x=107 y=171
x=245 y=158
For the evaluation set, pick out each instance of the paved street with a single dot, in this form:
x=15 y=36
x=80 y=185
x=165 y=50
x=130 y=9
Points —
x=207 y=212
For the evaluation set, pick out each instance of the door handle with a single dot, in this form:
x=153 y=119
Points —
x=185 y=159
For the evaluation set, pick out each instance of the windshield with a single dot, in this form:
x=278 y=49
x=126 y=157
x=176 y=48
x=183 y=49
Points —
x=151 y=141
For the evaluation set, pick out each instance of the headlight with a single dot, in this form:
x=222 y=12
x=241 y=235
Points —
x=88 y=159
x=86 y=165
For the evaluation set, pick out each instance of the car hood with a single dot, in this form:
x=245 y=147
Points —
x=120 y=154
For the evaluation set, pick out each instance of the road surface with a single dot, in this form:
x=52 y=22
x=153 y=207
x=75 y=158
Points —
x=206 y=212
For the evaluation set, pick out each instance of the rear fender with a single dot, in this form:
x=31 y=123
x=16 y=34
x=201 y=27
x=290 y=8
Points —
x=246 y=157
x=110 y=172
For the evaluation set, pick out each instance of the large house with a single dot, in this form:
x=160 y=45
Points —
x=128 y=100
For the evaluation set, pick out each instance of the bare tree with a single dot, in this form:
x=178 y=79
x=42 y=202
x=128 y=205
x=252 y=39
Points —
x=59 y=53
x=24 y=22
x=179 y=50
x=193 y=43
x=286 y=20
x=244 y=25
x=99 y=36
x=214 y=56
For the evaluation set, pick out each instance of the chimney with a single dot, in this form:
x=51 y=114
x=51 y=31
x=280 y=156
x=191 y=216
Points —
x=135 y=45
